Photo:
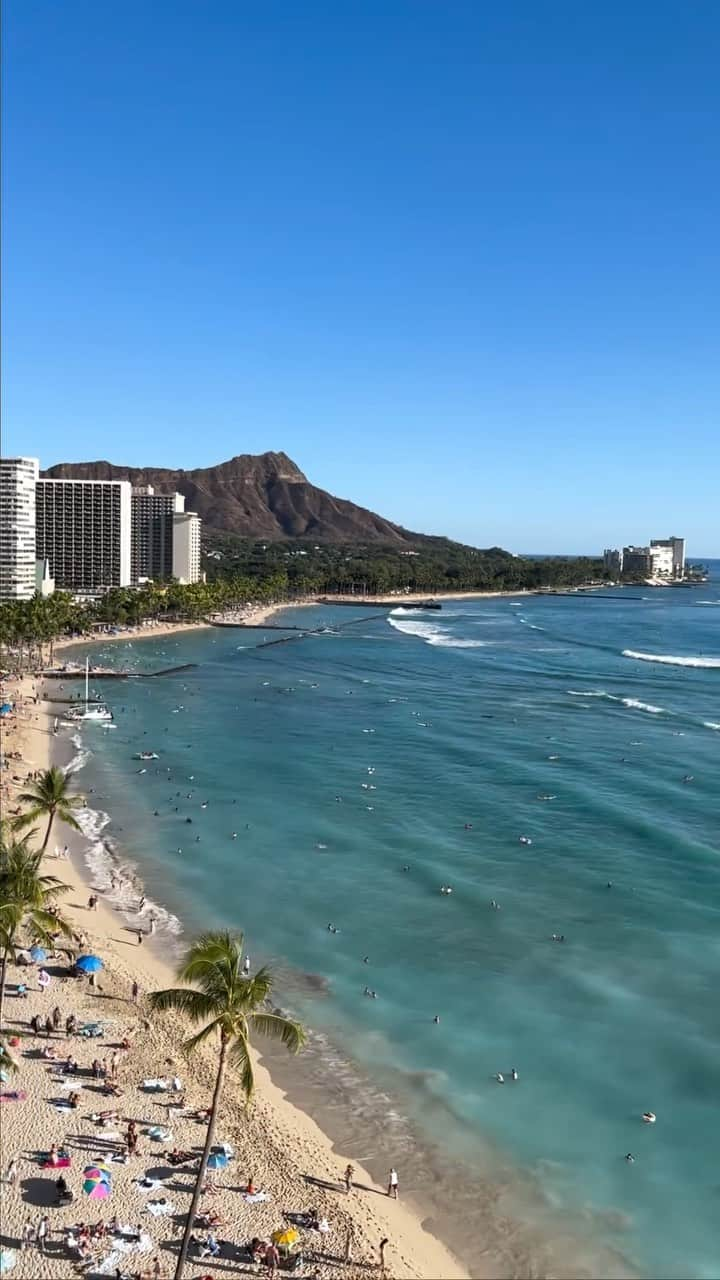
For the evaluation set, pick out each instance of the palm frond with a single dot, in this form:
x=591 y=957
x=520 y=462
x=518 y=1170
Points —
x=66 y=816
x=194 y=1004
x=257 y=989
x=273 y=1025
x=239 y=1056
x=24 y=819
x=191 y=1044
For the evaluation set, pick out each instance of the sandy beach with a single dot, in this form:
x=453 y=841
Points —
x=281 y=1149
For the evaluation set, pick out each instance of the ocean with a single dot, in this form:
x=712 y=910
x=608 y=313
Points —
x=556 y=756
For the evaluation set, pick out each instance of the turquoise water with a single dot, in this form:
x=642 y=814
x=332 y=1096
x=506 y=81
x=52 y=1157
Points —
x=466 y=718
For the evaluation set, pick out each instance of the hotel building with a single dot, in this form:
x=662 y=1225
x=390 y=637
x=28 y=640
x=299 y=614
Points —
x=186 y=546
x=18 y=478
x=153 y=532
x=84 y=531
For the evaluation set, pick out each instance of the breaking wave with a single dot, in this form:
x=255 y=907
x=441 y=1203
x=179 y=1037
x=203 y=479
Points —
x=430 y=632
x=671 y=660
x=634 y=704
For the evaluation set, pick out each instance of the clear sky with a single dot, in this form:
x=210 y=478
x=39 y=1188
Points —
x=459 y=259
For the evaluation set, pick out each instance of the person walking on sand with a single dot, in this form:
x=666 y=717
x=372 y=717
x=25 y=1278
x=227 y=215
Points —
x=382 y=1247
x=393 y=1186
x=349 y=1173
x=41 y=1234
x=135 y=992
x=11 y=1174
x=114 y=1064
x=139 y=937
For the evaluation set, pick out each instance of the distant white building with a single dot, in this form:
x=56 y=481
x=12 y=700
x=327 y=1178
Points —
x=18 y=477
x=668 y=557
x=186 y=546
x=83 y=528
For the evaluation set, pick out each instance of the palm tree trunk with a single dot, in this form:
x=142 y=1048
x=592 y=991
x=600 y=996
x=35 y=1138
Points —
x=182 y=1258
x=3 y=972
x=49 y=829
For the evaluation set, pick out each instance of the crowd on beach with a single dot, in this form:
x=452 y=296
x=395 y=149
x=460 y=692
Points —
x=102 y=1109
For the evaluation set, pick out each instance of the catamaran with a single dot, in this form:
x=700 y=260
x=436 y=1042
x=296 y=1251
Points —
x=95 y=711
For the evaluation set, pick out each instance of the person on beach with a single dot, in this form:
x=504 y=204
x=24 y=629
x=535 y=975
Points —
x=393 y=1186
x=42 y=1233
x=139 y=937
x=349 y=1174
x=382 y=1247
x=135 y=992
x=11 y=1173
x=56 y=1018
x=28 y=1235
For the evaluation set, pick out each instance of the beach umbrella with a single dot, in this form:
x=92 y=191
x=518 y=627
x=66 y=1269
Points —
x=217 y=1161
x=287 y=1238
x=6 y=708
x=38 y=954
x=8 y=1258
x=96 y=1182
x=88 y=964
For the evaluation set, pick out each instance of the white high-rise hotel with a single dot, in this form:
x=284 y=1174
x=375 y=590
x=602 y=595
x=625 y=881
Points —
x=89 y=535
x=18 y=478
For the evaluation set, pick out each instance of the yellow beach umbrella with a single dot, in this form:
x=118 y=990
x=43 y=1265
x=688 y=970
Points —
x=288 y=1237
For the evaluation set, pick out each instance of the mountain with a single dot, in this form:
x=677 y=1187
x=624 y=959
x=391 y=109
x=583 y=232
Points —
x=255 y=496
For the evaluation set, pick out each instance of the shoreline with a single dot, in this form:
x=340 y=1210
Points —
x=277 y=1143
x=255 y=615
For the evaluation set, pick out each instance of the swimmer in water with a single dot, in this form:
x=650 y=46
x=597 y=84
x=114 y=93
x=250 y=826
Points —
x=630 y=1157
x=234 y=835
x=436 y=1019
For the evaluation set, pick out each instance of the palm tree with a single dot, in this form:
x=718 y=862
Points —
x=230 y=1005
x=27 y=899
x=49 y=797
x=8 y=1064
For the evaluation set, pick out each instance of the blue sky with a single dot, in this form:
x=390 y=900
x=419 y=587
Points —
x=459 y=260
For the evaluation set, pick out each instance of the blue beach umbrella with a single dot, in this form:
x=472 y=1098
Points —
x=88 y=964
x=38 y=954
x=5 y=709
x=217 y=1161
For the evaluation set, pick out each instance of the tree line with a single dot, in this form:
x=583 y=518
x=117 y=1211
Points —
x=241 y=571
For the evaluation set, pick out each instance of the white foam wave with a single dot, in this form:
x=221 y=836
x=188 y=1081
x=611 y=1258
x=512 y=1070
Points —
x=81 y=756
x=711 y=724
x=671 y=660
x=431 y=633
x=633 y=703
x=637 y=705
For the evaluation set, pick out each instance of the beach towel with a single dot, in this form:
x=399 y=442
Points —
x=159 y=1134
x=109 y=1265
x=256 y=1198
x=158 y=1085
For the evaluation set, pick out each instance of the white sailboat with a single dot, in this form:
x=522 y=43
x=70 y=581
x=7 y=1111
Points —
x=95 y=711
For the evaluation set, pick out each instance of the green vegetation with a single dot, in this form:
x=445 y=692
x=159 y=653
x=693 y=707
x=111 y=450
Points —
x=229 y=1004
x=241 y=570
x=27 y=899
x=49 y=796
